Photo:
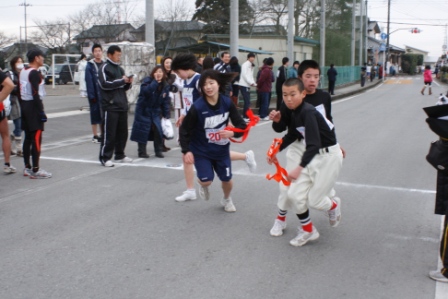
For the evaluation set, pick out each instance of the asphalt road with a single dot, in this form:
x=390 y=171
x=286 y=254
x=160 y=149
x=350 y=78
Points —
x=96 y=232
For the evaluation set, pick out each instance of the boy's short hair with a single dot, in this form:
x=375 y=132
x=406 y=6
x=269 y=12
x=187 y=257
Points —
x=96 y=46
x=112 y=49
x=308 y=64
x=33 y=53
x=295 y=82
x=224 y=53
x=250 y=55
x=285 y=60
x=184 y=61
x=269 y=61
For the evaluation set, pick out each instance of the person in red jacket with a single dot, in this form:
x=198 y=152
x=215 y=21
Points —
x=264 y=85
x=427 y=77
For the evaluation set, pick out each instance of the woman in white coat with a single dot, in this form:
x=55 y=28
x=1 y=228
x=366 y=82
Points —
x=82 y=75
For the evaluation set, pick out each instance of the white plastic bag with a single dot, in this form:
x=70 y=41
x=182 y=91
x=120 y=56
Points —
x=7 y=105
x=167 y=127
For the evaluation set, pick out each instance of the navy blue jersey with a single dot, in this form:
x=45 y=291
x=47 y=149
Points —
x=199 y=131
x=190 y=91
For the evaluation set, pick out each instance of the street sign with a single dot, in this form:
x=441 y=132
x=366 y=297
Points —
x=383 y=35
x=382 y=47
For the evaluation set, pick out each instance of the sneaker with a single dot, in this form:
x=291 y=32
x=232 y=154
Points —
x=124 y=160
x=250 y=161
x=187 y=195
x=41 y=174
x=438 y=276
x=228 y=205
x=335 y=215
x=265 y=118
x=277 y=229
x=19 y=153
x=303 y=237
x=204 y=193
x=246 y=119
x=109 y=163
x=9 y=169
x=27 y=172
x=96 y=139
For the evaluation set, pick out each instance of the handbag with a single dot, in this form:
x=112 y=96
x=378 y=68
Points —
x=167 y=128
x=438 y=155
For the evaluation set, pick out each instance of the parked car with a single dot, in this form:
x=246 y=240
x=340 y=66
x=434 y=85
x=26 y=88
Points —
x=63 y=73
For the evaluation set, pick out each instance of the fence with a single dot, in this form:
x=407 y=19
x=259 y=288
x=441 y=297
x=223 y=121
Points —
x=346 y=75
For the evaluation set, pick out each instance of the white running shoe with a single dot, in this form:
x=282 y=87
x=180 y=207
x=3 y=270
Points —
x=265 y=118
x=187 y=195
x=438 y=276
x=303 y=237
x=9 y=169
x=41 y=174
x=204 y=193
x=124 y=160
x=250 y=161
x=109 y=163
x=27 y=172
x=277 y=229
x=228 y=205
x=335 y=215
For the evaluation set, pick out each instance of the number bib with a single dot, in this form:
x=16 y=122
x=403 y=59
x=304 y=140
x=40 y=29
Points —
x=213 y=136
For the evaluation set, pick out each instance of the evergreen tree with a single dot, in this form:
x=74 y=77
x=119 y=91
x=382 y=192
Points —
x=216 y=14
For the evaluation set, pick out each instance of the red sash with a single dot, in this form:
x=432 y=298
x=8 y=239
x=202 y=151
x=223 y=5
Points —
x=281 y=175
x=253 y=120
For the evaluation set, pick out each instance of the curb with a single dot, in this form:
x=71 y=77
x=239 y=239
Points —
x=353 y=92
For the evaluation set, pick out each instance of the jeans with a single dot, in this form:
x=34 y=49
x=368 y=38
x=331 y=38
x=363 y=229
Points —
x=264 y=105
x=245 y=91
x=17 y=127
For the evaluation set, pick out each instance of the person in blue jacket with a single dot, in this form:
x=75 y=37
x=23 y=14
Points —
x=93 y=91
x=152 y=104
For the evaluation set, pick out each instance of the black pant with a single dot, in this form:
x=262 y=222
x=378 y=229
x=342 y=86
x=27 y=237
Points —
x=115 y=135
x=331 y=84
x=31 y=147
x=363 y=80
x=444 y=248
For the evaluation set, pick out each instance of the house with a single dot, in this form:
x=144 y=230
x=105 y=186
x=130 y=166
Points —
x=104 y=34
x=172 y=34
x=427 y=60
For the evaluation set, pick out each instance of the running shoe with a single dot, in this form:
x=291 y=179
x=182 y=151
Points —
x=250 y=161
x=109 y=163
x=186 y=195
x=27 y=172
x=9 y=169
x=124 y=160
x=96 y=139
x=228 y=205
x=438 y=276
x=41 y=174
x=335 y=215
x=277 y=229
x=304 y=237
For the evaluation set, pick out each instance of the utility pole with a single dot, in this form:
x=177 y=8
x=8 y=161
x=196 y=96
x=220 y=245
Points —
x=291 y=30
x=322 y=34
x=366 y=47
x=387 y=42
x=24 y=4
x=361 y=35
x=149 y=27
x=353 y=46
x=234 y=28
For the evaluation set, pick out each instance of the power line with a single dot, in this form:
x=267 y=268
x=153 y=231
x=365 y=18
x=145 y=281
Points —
x=411 y=24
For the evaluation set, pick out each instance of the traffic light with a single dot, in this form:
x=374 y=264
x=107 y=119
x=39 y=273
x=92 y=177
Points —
x=415 y=30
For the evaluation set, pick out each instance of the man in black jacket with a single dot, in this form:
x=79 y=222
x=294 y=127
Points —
x=331 y=74
x=282 y=73
x=114 y=84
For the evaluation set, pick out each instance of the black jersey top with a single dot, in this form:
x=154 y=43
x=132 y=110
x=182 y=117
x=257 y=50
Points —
x=309 y=124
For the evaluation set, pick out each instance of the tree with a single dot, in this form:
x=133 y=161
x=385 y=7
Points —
x=216 y=13
x=53 y=34
x=5 y=39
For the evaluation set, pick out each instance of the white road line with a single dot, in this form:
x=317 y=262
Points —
x=66 y=113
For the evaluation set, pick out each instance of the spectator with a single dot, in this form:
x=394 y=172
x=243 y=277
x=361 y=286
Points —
x=82 y=63
x=247 y=81
x=16 y=115
x=114 y=84
x=235 y=68
x=282 y=74
x=331 y=74
x=6 y=87
x=264 y=85
x=94 y=91
x=207 y=63
x=293 y=71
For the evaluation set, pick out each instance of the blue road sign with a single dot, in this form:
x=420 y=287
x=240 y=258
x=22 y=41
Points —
x=383 y=35
x=382 y=47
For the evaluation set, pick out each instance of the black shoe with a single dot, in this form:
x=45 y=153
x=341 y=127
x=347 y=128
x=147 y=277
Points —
x=160 y=155
x=145 y=155
x=165 y=149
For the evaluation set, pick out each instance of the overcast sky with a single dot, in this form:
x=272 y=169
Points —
x=427 y=15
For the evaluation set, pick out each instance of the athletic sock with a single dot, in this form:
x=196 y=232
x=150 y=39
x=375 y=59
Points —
x=35 y=169
x=305 y=220
x=7 y=164
x=281 y=215
x=333 y=205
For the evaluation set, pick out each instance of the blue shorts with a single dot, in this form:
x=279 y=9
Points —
x=205 y=168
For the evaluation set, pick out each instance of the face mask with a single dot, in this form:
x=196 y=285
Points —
x=19 y=66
